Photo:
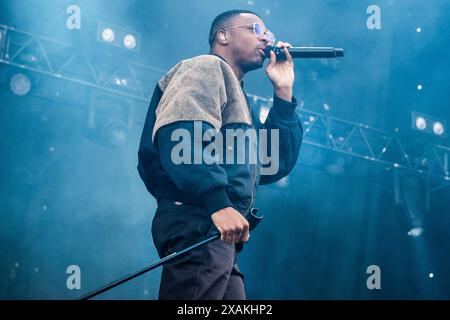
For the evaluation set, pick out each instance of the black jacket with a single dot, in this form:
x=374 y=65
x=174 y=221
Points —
x=214 y=186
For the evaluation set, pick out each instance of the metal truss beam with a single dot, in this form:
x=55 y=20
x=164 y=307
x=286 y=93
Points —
x=70 y=63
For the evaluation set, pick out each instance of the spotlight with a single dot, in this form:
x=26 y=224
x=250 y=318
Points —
x=115 y=134
x=120 y=82
x=109 y=121
x=108 y=35
x=117 y=36
x=20 y=84
x=427 y=124
x=109 y=132
x=421 y=123
x=415 y=232
x=419 y=87
x=419 y=29
x=337 y=167
x=438 y=128
x=409 y=198
x=129 y=41
x=29 y=58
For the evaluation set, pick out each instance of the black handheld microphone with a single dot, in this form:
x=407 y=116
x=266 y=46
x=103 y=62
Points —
x=306 y=52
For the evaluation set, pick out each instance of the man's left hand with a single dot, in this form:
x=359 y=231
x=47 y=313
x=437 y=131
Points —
x=281 y=73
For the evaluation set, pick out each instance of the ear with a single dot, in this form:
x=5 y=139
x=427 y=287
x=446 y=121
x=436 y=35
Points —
x=222 y=37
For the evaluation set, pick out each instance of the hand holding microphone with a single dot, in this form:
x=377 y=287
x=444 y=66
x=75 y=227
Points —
x=281 y=71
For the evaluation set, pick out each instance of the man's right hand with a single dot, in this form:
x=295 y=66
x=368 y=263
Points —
x=233 y=227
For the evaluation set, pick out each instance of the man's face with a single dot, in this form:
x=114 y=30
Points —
x=245 y=47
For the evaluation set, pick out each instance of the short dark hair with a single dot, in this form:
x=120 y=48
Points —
x=221 y=21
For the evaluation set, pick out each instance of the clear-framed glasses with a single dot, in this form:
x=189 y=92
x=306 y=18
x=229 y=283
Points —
x=257 y=30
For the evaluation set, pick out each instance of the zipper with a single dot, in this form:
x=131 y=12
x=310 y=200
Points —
x=256 y=165
x=253 y=190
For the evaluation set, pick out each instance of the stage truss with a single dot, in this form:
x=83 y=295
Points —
x=67 y=62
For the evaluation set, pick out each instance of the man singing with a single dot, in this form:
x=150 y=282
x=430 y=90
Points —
x=197 y=97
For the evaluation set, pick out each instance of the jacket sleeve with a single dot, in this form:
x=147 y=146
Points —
x=204 y=182
x=194 y=96
x=282 y=116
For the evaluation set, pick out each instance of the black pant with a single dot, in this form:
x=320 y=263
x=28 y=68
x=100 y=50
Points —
x=207 y=272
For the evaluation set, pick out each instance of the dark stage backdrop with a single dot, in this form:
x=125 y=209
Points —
x=67 y=198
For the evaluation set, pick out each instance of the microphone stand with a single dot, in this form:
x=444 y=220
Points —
x=252 y=219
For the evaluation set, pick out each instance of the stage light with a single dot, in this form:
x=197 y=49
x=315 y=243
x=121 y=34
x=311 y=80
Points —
x=20 y=84
x=438 y=128
x=120 y=82
x=409 y=192
x=109 y=121
x=336 y=167
x=421 y=123
x=415 y=232
x=419 y=87
x=116 y=134
x=108 y=35
x=29 y=58
x=117 y=36
x=431 y=275
x=410 y=203
x=109 y=132
x=129 y=41
x=419 y=29
x=428 y=124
